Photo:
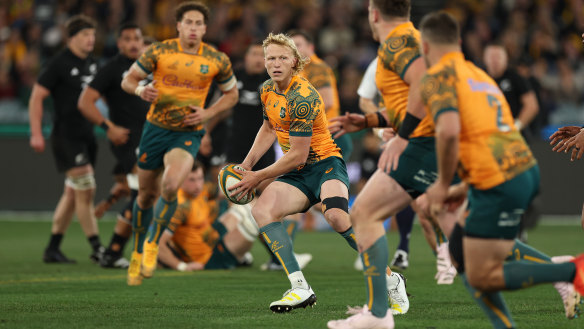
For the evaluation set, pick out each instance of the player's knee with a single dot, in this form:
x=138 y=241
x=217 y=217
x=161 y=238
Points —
x=81 y=182
x=261 y=214
x=246 y=224
x=169 y=188
x=482 y=280
x=455 y=248
x=146 y=197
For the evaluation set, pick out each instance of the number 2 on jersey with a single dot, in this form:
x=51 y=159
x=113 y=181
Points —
x=500 y=125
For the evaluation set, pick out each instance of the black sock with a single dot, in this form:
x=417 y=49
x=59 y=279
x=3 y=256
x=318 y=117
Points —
x=405 y=221
x=94 y=242
x=55 y=241
x=117 y=244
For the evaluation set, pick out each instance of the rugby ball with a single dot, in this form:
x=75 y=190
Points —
x=227 y=178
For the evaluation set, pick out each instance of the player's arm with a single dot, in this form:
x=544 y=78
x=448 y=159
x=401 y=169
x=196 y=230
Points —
x=263 y=141
x=368 y=89
x=225 y=102
x=131 y=84
x=447 y=132
x=86 y=104
x=529 y=109
x=35 y=113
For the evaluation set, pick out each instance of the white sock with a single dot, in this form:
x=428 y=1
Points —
x=297 y=280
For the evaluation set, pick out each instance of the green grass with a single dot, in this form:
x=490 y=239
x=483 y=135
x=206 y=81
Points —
x=36 y=295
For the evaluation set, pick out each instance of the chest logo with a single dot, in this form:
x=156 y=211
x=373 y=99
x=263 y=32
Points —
x=74 y=71
x=282 y=112
x=173 y=66
x=204 y=68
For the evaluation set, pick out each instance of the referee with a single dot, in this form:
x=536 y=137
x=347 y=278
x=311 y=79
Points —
x=127 y=114
x=72 y=140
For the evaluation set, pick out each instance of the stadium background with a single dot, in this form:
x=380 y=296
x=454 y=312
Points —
x=541 y=35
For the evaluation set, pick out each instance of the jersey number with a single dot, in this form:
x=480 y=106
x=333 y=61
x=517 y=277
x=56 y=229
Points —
x=493 y=101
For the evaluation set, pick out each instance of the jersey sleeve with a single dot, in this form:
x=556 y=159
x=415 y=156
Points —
x=102 y=80
x=262 y=91
x=439 y=92
x=225 y=78
x=303 y=109
x=147 y=61
x=49 y=76
x=398 y=53
x=368 y=88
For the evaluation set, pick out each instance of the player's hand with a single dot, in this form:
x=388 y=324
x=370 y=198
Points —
x=118 y=135
x=437 y=194
x=149 y=93
x=206 y=145
x=250 y=179
x=194 y=266
x=197 y=116
x=387 y=134
x=37 y=143
x=575 y=143
x=348 y=123
x=562 y=134
x=392 y=150
x=456 y=195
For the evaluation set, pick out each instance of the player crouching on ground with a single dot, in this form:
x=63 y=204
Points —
x=196 y=240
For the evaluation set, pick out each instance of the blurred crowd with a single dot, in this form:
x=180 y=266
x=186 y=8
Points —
x=542 y=38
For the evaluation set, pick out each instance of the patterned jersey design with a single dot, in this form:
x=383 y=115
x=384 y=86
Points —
x=320 y=75
x=183 y=79
x=395 y=55
x=492 y=150
x=194 y=237
x=299 y=111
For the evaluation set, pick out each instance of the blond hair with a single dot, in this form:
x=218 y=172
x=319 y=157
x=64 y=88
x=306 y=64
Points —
x=284 y=40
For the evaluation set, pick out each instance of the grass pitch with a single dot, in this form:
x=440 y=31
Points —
x=38 y=295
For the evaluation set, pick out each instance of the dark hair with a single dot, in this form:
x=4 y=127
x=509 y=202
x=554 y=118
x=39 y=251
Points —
x=440 y=27
x=302 y=33
x=148 y=40
x=77 y=23
x=196 y=165
x=253 y=44
x=191 y=5
x=393 y=8
x=127 y=26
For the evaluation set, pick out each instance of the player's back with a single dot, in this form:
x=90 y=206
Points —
x=396 y=53
x=299 y=111
x=320 y=75
x=191 y=224
x=492 y=150
x=182 y=79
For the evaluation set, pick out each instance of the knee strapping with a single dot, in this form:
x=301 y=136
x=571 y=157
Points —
x=246 y=224
x=132 y=181
x=455 y=247
x=81 y=183
x=335 y=202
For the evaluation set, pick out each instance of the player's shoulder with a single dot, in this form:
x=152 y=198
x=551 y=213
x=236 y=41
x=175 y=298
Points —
x=267 y=86
x=438 y=77
x=301 y=88
x=212 y=53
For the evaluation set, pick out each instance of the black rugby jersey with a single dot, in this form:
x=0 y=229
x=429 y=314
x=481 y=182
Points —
x=65 y=76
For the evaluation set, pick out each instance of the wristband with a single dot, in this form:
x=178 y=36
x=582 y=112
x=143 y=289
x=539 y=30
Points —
x=408 y=126
x=138 y=91
x=374 y=120
x=104 y=126
x=182 y=266
x=518 y=124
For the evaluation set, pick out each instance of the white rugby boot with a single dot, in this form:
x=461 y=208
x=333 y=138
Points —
x=445 y=270
x=398 y=297
x=294 y=298
x=570 y=297
x=362 y=318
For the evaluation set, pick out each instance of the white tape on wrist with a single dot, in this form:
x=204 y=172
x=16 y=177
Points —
x=138 y=91
x=182 y=266
x=518 y=124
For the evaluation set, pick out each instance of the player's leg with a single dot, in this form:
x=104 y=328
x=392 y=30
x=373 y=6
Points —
x=405 y=222
x=118 y=191
x=62 y=218
x=280 y=199
x=82 y=180
x=381 y=197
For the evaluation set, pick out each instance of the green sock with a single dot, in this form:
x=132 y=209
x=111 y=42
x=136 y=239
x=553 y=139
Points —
x=492 y=304
x=349 y=235
x=163 y=212
x=521 y=251
x=374 y=264
x=141 y=219
x=440 y=236
x=280 y=245
x=291 y=227
x=522 y=274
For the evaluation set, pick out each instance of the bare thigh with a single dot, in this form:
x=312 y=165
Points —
x=278 y=200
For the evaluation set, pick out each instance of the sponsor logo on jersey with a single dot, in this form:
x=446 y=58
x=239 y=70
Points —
x=143 y=157
x=173 y=66
x=74 y=71
x=204 y=68
x=328 y=170
x=188 y=143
